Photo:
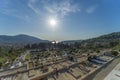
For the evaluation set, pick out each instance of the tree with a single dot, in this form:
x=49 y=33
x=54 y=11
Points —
x=0 y=64
x=0 y=49
x=113 y=43
x=97 y=51
x=115 y=53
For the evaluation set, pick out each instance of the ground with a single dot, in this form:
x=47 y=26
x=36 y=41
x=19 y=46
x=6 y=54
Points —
x=105 y=71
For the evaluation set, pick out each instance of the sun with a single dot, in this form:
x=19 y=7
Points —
x=53 y=22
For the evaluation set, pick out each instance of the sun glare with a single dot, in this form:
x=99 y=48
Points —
x=53 y=22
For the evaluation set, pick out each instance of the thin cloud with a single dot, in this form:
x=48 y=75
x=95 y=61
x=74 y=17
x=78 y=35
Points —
x=58 y=8
x=13 y=13
x=55 y=7
x=31 y=5
x=63 y=8
x=91 y=9
x=6 y=9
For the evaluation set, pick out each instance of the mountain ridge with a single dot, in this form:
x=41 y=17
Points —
x=103 y=38
x=20 y=39
x=27 y=39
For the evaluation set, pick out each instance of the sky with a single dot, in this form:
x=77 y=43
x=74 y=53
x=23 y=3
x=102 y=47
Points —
x=72 y=19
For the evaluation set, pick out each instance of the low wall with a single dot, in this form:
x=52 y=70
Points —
x=93 y=73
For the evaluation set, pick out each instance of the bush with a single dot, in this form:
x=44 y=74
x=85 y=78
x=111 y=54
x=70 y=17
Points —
x=97 y=51
x=115 y=53
x=1 y=64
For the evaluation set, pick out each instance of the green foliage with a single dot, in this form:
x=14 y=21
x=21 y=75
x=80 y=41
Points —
x=117 y=47
x=9 y=55
x=115 y=53
x=97 y=51
x=0 y=64
x=37 y=63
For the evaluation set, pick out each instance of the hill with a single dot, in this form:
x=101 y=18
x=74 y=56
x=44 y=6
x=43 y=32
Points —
x=102 y=42
x=19 y=39
x=107 y=37
x=70 y=41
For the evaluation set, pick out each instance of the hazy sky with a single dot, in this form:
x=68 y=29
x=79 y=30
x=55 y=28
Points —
x=75 y=19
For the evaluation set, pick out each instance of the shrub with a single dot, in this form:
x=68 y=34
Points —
x=115 y=53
